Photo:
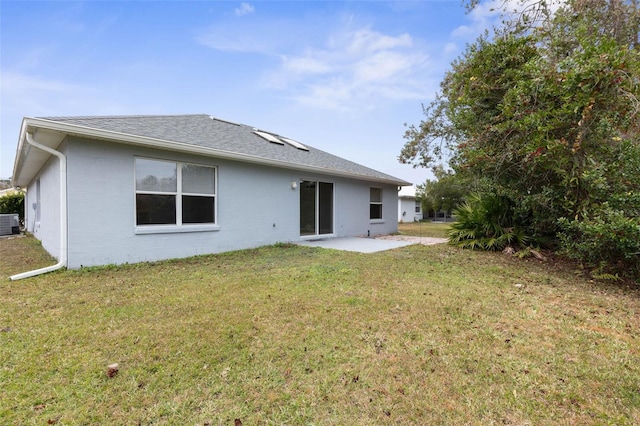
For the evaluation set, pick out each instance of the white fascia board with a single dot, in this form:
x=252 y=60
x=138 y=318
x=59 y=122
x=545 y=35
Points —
x=125 y=138
x=17 y=161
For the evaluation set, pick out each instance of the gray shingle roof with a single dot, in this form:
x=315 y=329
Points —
x=219 y=135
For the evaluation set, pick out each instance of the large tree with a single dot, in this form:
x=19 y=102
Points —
x=545 y=115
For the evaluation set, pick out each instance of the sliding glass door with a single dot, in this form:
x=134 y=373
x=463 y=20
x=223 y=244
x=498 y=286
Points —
x=316 y=208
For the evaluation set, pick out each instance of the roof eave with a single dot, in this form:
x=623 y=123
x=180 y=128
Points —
x=126 y=138
x=17 y=165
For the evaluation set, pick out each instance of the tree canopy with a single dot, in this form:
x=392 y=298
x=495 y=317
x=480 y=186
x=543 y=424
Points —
x=444 y=193
x=545 y=114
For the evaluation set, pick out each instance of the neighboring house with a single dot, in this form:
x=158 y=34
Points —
x=409 y=207
x=126 y=189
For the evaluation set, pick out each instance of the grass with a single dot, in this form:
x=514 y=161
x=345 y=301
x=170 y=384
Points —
x=297 y=335
x=424 y=229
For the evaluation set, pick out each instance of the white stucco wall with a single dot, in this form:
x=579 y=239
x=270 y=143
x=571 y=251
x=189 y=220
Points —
x=256 y=206
x=47 y=229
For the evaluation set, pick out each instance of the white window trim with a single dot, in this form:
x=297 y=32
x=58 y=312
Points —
x=178 y=227
x=173 y=229
x=380 y=220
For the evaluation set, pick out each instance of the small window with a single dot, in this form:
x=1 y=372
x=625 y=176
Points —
x=375 y=203
x=418 y=202
x=174 y=193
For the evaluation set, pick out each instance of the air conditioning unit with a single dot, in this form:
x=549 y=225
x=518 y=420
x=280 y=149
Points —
x=9 y=224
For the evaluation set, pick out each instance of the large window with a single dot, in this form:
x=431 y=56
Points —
x=375 y=203
x=174 y=193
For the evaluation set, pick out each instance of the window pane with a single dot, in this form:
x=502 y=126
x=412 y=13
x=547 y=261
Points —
x=152 y=209
x=375 y=195
x=154 y=175
x=198 y=179
x=375 y=211
x=197 y=209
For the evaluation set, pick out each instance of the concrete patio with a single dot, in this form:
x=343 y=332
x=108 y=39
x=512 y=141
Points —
x=370 y=245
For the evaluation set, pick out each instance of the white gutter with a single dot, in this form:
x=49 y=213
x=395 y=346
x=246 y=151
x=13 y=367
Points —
x=63 y=212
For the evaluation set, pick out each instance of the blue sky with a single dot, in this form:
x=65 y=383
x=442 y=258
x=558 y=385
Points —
x=343 y=77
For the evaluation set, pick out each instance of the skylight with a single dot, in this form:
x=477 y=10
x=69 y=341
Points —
x=280 y=140
x=295 y=143
x=268 y=136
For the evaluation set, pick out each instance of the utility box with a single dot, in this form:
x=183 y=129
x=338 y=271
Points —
x=9 y=224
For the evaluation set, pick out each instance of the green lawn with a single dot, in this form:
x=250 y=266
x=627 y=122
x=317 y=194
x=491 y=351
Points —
x=424 y=229
x=298 y=335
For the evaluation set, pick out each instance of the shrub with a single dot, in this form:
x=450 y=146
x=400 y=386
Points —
x=608 y=243
x=484 y=222
x=13 y=203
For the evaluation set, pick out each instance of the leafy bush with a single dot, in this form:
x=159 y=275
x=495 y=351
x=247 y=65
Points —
x=545 y=115
x=608 y=242
x=13 y=203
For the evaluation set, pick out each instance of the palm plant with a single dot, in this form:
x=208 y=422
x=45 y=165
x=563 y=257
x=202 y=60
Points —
x=484 y=221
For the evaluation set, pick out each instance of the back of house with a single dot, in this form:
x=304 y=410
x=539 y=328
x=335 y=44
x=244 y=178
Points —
x=126 y=189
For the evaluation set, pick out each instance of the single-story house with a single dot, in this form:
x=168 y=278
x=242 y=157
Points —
x=126 y=189
x=409 y=206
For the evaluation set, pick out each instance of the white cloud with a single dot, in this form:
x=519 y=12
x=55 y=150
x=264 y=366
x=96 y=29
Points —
x=367 y=41
x=342 y=67
x=487 y=14
x=450 y=48
x=244 y=9
x=383 y=66
x=14 y=83
x=354 y=69
x=482 y=17
x=24 y=94
x=248 y=36
x=329 y=95
x=306 y=64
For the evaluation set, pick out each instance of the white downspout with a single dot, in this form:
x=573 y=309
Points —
x=63 y=213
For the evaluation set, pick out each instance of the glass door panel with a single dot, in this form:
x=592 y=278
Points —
x=307 y=208
x=316 y=208
x=325 y=208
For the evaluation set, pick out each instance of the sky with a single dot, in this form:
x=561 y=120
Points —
x=341 y=76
